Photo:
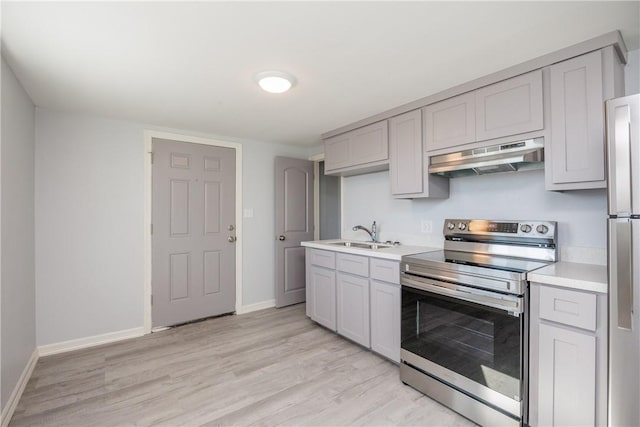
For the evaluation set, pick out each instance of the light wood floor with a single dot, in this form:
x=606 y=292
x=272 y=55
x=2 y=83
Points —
x=272 y=367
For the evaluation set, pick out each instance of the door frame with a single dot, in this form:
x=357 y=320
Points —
x=148 y=137
x=316 y=158
x=316 y=193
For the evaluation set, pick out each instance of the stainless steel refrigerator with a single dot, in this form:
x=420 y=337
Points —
x=623 y=145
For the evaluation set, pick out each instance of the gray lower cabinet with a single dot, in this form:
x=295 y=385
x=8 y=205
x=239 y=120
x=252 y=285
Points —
x=352 y=283
x=385 y=308
x=407 y=163
x=321 y=287
x=356 y=296
x=575 y=151
x=323 y=298
x=353 y=307
x=385 y=319
x=568 y=359
x=358 y=151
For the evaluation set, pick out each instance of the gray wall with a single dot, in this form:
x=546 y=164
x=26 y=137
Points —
x=581 y=214
x=17 y=232
x=89 y=221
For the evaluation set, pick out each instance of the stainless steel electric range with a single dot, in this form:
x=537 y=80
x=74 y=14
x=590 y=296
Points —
x=465 y=317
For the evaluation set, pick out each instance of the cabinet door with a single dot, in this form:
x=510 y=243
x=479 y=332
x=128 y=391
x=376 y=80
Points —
x=336 y=152
x=369 y=144
x=566 y=377
x=405 y=157
x=577 y=120
x=385 y=319
x=323 y=287
x=509 y=107
x=450 y=122
x=353 y=308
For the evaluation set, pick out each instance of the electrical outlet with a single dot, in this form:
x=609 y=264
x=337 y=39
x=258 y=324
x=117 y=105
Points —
x=426 y=226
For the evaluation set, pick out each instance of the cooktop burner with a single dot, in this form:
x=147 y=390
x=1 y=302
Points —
x=487 y=254
x=484 y=261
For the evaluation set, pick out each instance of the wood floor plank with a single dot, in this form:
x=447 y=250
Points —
x=267 y=368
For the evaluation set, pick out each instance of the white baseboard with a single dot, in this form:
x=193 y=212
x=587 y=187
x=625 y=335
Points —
x=7 y=411
x=64 y=346
x=257 y=306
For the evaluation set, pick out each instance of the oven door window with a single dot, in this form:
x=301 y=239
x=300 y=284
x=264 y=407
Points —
x=481 y=343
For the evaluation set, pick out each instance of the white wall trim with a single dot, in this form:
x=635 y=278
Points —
x=148 y=136
x=257 y=306
x=12 y=403
x=86 y=342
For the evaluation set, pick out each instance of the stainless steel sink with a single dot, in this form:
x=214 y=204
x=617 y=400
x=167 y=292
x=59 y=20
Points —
x=363 y=245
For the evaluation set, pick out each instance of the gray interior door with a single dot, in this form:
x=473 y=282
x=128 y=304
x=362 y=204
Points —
x=294 y=224
x=193 y=234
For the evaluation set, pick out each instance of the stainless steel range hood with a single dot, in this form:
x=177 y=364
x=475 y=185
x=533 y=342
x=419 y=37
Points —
x=513 y=156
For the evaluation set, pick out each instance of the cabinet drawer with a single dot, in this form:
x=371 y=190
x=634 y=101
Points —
x=573 y=308
x=354 y=264
x=326 y=259
x=385 y=270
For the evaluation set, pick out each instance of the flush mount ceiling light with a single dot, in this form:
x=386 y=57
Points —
x=275 y=81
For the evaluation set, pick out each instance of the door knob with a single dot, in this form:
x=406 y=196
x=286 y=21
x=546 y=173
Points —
x=281 y=238
x=231 y=239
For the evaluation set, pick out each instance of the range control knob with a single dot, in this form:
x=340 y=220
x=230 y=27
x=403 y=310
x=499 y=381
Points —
x=525 y=228
x=451 y=225
x=542 y=229
x=462 y=226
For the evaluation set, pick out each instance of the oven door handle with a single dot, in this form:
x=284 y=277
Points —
x=512 y=304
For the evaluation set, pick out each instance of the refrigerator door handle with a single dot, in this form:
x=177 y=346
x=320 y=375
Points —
x=620 y=154
x=624 y=271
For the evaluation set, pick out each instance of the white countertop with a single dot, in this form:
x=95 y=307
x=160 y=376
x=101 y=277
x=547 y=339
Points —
x=394 y=252
x=586 y=277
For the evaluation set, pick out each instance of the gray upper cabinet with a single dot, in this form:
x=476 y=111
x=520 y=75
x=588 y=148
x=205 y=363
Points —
x=576 y=147
x=559 y=97
x=510 y=107
x=336 y=152
x=362 y=150
x=450 y=122
x=407 y=173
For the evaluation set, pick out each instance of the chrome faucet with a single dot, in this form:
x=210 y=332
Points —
x=373 y=233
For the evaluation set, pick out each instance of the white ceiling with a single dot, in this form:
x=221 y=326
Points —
x=191 y=65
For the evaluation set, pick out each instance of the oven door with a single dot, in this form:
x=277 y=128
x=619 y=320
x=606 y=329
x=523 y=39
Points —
x=471 y=339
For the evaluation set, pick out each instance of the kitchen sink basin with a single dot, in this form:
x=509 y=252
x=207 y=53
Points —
x=363 y=245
